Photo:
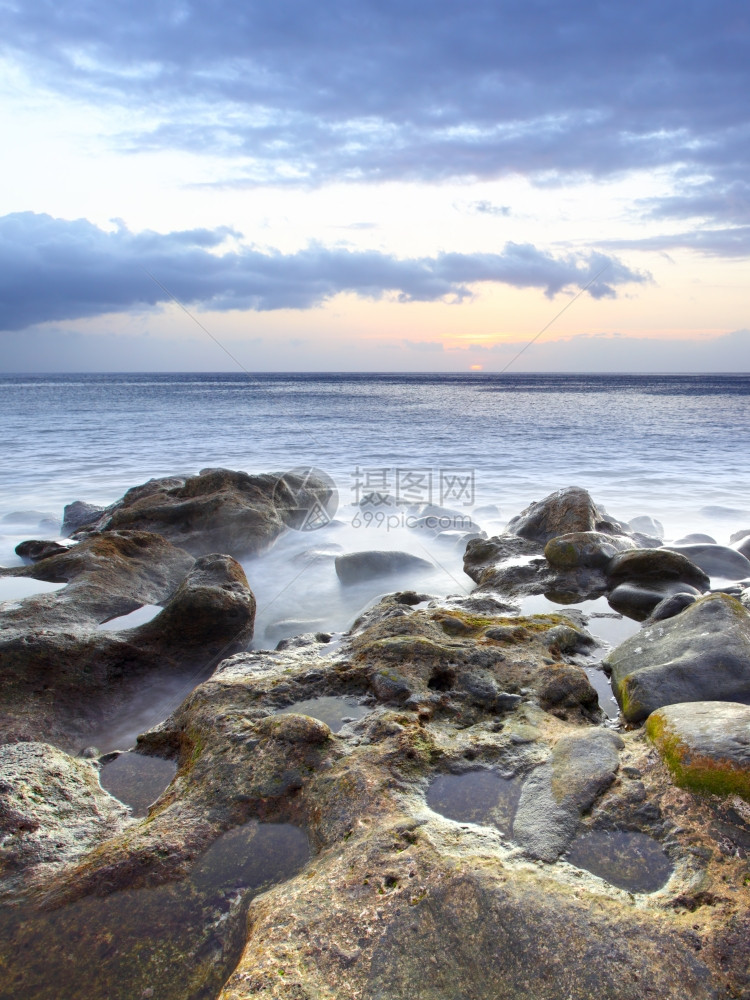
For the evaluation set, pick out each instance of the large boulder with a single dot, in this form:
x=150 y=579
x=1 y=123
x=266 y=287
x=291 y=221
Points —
x=705 y=744
x=655 y=566
x=562 y=512
x=216 y=511
x=702 y=654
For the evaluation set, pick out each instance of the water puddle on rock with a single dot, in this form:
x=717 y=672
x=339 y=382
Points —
x=332 y=710
x=629 y=860
x=480 y=796
x=179 y=941
x=138 y=617
x=15 y=588
x=137 y=780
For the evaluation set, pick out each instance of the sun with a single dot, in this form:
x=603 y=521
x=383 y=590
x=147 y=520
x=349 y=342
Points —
x=475 y=368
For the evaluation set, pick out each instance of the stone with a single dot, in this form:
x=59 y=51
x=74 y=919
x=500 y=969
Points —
x=743 y=546
x=354 y=567
x=695 y=538
x=715 y=560
x=671 y=606
x=588 y=549
x=560 y=513
x=216 y=511
x=640 y=601
x=79 y=514
x=647 y=525
x=701 y=654
x=738 y=536
x=34 y=550
x=568 y=639
x=555 y=795
x=644 y=566
x=705 y=745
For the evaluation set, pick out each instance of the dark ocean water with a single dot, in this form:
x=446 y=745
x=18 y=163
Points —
x=671 y=446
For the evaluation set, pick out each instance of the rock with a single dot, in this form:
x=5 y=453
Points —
x=737 y=536
x=447 y=521
x=52 y=808
x=670 y=607
x=702 y=654
x=640 y=602
x=291 y=627
x=553 y=798
x=563 y=686
x=34 y=550
x=561 y=513
x=354 y=567
x=28 y=518
x=705 y=744
x=715 y=560
x=743 y=546
x=65 y=680
x=588 y=549
x=695 y=538
x=716 y=511
x=567 y=639
x=78 y=515
x=647 y=525
x=649 y=566
x=390 y=686
x=215 y=511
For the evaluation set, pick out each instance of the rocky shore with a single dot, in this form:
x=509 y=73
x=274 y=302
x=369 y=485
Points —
x=432 y=805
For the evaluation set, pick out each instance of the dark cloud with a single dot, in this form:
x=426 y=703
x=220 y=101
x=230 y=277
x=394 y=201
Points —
x=52 y=269
x=373 y=89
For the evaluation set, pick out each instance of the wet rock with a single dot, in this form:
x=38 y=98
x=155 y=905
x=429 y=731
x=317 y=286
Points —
x=647 y=525
x=702 y=654
x=715 y=560
x=292 y=627
x=553 y=798
x=568 y=639
x=562 y=687
x=640 y=602
x=585 y=549
x=78 y=515
x=670 y=607
x=52 y=808
x=743 y=546
x=216 y=511
x=655 y=566
x=390 y=686
x=63 y=680
x=705 y=744
x=34 y=550
x=354 y=567
x=563 y=512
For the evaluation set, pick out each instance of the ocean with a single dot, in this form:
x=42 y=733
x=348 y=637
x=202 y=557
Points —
x=672 y=446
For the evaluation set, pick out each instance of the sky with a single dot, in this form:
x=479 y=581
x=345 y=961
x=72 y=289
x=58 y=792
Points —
x=374 y=186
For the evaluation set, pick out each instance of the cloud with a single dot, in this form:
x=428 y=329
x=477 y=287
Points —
x=53 y=269
x=730 y=242
x=373 y=89
x=485 y=207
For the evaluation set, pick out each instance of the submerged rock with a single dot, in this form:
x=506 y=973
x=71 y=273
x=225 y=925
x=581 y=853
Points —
x=705 y=744
x=716 y=560
x=647 y=525
x=701 y=654
x=354 y=567
x=78 y=515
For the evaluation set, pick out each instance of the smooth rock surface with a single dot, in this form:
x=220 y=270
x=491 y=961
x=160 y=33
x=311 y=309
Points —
x=716 y=560
x=353 y=567
x=649 y=566
x=560 y=513
x=701 y=654
x=580 y=768
x=705 y=744
x=589 y=549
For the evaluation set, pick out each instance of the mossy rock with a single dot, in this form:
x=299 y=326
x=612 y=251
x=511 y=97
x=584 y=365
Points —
x=705 y=745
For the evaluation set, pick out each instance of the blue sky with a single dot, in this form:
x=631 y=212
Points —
x=364 y=185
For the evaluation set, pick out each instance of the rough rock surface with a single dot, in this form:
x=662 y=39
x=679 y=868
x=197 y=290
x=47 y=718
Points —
x=563 y=512
x=216 y=511
x=78 y=514
x=52 y=808
x=705 y=744
x=701 y=654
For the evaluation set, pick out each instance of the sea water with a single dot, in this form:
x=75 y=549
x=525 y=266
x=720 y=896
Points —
x=673 y=446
